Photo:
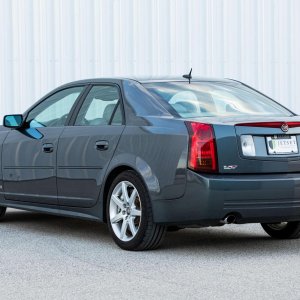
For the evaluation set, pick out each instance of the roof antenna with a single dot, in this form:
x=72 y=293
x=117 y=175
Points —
x=188 y=76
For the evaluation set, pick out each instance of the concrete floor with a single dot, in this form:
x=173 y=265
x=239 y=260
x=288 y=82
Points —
x=46 y=257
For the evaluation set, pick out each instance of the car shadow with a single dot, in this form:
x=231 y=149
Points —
x=231 y=239
x=39 y=223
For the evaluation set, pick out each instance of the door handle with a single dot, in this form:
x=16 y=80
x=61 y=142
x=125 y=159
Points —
x=102 y=145
x=48 y=148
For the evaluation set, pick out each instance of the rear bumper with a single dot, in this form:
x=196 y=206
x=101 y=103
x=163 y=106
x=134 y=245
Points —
x=252 y=198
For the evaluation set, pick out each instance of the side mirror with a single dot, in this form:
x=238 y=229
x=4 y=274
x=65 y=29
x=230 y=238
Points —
x=13 y=121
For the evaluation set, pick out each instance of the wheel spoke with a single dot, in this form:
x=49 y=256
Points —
x=117 y=218
x=123 y=229
x=117 y=201
x=132 y=197
x=132 y=227
x=135 y=212
x=125 y=192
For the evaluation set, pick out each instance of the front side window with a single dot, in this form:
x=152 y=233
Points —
x=54 y=111
x=209 y=99
x=101 y=107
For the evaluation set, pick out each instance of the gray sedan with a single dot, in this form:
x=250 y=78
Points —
x=154 y=155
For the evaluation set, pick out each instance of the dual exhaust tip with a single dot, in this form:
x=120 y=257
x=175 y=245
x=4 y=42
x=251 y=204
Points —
x=229 y=219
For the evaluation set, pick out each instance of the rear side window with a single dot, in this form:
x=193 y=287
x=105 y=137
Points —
x=209 y=99
x=101 y=107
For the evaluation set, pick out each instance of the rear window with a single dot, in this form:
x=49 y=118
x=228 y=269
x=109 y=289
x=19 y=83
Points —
x=208 y=99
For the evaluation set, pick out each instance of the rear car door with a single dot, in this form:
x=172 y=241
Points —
x=87 y=146
x=29 y=154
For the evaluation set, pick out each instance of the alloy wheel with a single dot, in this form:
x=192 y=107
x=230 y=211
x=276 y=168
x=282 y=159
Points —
x=125 y=211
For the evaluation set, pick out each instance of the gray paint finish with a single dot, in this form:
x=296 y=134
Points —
x=29 y=174
x=71 y=180
x=81 y=166
x=146 y=149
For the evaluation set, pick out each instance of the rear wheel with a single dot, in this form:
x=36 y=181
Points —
x=2 y=212
x=283 y=230
x=129 y=214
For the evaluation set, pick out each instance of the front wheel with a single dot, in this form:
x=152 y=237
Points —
x=283 y=230
x=129 y=214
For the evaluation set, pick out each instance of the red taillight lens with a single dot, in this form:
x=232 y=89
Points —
x=202 y=151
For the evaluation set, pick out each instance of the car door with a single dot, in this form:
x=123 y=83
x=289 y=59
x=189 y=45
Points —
x=29 y=154
x=86 y=148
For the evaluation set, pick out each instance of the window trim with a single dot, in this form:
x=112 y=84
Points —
x=83 y=98
x=113 y=113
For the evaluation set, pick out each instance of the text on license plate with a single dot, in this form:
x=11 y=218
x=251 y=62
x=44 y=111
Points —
x=282 y=144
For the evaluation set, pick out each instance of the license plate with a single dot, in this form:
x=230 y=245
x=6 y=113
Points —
x=282 y=144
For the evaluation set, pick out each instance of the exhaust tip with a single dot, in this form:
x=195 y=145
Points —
x=229 y=219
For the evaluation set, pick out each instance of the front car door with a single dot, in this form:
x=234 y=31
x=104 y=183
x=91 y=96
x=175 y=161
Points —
x=86 y=148
x=29 y=154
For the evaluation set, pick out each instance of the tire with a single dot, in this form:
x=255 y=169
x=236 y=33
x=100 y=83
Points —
x=130 y=222
x=284 y=230
x=2 y=212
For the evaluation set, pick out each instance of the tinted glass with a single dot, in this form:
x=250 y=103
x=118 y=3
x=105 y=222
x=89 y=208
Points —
x=54 y=111
x=99 y=106
x=201 y=99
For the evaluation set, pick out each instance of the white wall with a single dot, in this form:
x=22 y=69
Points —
x=45 y=43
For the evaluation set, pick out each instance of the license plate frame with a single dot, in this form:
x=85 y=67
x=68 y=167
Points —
x=282 y=145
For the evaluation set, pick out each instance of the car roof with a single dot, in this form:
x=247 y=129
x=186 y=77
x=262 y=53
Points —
x=148 y=80
x=180 y=79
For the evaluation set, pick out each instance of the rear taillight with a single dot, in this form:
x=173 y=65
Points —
x=202 y=150
x=270 y=124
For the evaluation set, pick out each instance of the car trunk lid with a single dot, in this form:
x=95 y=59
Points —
x=276 y=142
